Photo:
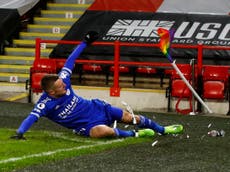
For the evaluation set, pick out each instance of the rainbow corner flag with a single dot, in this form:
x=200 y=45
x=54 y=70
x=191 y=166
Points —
x=166 y=38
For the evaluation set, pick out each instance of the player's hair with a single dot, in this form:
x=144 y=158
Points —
x=47 y=81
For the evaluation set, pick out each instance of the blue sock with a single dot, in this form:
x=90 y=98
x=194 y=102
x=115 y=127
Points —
x=123 y=133
x=148 y=123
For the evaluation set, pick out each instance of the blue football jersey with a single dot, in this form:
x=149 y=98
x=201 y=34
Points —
x=70 y=110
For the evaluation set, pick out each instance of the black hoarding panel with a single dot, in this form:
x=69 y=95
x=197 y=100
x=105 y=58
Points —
x=136 y=27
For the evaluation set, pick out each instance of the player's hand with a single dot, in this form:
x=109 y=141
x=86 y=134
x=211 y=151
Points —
x=18 y=136
x=91 y=36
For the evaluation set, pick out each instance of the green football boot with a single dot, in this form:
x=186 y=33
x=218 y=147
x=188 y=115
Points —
x=173 y=129
x=145 y=133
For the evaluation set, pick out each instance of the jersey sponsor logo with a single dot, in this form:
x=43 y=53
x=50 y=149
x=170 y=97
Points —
x=69 y=108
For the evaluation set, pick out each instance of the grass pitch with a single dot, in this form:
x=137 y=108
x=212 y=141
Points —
x=46 y=146
x=52 y=148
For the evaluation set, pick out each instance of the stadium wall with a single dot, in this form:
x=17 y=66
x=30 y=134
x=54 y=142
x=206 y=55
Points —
x=142 y=100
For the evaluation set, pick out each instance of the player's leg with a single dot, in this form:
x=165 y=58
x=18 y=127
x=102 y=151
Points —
x=144 y=122
x=101 y=131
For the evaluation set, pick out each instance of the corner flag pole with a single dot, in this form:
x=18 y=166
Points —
x=189 y=86
x=165 y=46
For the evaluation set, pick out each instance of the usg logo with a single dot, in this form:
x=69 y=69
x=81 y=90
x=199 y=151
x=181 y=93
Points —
x=186 y=32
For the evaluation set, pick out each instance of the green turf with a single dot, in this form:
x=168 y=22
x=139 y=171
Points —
x=44 y=146
x=192 y=151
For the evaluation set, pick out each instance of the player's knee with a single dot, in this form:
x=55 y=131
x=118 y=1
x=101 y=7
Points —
x=101 y=131
x=128 y=118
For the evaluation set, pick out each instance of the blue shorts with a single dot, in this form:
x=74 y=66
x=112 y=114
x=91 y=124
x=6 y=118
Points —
x=102 y=114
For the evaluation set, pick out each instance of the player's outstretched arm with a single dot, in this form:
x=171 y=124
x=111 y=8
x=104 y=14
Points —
x=90 y=37
x=25 y=125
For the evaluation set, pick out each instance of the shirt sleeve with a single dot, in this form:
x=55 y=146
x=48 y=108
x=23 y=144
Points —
x=38 y=111
x=69 y=64
x=27 y=123
x=66 y=71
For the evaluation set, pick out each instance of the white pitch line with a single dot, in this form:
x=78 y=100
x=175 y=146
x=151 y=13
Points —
x=57 y=151
x=64 y=137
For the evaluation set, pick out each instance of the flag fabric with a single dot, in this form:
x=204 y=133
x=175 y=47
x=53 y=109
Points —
x=166 y=38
